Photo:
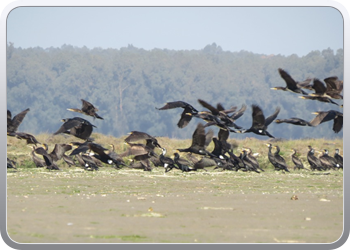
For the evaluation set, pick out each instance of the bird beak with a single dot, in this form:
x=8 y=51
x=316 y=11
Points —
x=315 y=113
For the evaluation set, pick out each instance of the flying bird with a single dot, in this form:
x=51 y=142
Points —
x=260 y=124
x=87 y=109
x=186 y=115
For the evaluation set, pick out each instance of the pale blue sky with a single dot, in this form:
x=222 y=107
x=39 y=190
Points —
x=265 y=30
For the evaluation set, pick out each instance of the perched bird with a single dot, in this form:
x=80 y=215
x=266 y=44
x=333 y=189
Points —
x=271 y=156
x=251 y=158
x=325 y=116
x=292 y=85
x=87 y=109
x=100 y=154
x=294 y=121
x=54 y=156
x=260 y=124
x=182 y=164
x=77 y=127
x=11 y=163
x=249 y=165
x=315 y=163
x=338 y=158
x=327 y=161
x=298 y=164
x=168 y=163
x=205 y=162
x=186 y=116
x=280 y=161
x=38 y=161
x=13 y=123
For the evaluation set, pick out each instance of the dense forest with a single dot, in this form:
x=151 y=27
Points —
x=127 y=85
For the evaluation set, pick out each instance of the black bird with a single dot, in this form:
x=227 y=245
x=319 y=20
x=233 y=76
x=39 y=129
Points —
x=187 y=113
x=55 y=155
x=38 y=161
x=29 y=138
x=77 y=127
x=168 y=163
x=315 y=163
x=87 y=109
x=319 y=98
x=298 y=164
x=137 y=136
x=338 y=158
x=332 y=89
x=271 y=156
x=292 y=85
x=327 y=161
x=224 y=120
x=249 y=165
x=205 y=162
x=11 y=163
x=251 y=158
x=280 y=161
x=325 y=116
x=87 y=162
x=100 y=154
x=182 y=164
x=260 y=124
x=198 y=142
x=13 y=123
x=294 y=121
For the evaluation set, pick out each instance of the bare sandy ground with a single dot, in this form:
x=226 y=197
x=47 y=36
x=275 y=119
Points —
x=132 y=206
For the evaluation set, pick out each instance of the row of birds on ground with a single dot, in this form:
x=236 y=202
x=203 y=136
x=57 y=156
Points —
x=222 y=156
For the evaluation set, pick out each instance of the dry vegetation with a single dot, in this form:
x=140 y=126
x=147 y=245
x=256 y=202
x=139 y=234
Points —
x=19 y=151
x=133 y=206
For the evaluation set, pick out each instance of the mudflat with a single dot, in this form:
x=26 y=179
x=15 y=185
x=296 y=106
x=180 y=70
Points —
x=133 y=206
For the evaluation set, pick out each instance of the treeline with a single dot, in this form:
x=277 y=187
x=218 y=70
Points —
x=128 y=84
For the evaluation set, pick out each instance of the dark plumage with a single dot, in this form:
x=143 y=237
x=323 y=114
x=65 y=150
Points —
x=292 y=85
x=260 y=124
x=251 y=158
x=38 y=161
x=167 y=162
x=325 y=116
x=271 y=156
x=13 y=123
x=87 y=109
x=315 y=163
x=280 y=161
x=77 y=127
x=11 y=163
x=186 y=116
x=198 y=142
x=294 y=121
x=137 y=136
x=338 y=158
x=183 y=164
x=332 y=89
x=319 y=98
x=54 y=156
x=298 y=164
x=30 y=139
x=327 y=161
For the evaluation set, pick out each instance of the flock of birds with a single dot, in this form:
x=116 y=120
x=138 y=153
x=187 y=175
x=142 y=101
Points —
x=142 y=146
